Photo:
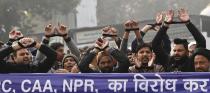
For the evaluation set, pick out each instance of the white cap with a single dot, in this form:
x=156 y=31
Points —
x=191 y=43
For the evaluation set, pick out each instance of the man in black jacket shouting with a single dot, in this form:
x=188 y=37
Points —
x=179 y=61
x=22 y=58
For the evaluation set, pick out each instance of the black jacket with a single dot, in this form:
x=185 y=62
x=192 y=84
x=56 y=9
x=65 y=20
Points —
x=168 y=62
x=165 y=42
x=42 y=67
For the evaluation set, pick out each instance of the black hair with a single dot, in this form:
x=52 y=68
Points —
x=148 y=45
x=202 y=51
x=181 y=41
x=56 y=45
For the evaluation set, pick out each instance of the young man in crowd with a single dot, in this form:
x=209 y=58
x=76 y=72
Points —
x=154 y=27
x=61 y=30
x=179 y=61
x=69 y=61
x=144 y=58
x=22 y=58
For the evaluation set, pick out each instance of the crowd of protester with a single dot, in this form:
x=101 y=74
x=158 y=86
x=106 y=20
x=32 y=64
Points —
x=25 y=55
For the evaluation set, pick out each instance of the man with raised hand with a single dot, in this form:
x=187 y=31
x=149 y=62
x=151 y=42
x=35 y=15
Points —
x=106 y=57
x=22 y=58
x=179 y=61
x=61 y=30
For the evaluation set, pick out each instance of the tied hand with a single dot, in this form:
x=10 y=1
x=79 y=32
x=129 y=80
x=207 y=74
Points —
x=158 y=22
x=15 y=35
x=169 y=16
x=101 y=44
x=131 y=25
x=26 y=42
x=159 y=18
x=109 y=32
x=183 y=15
x=49 y=32
x=62 y=30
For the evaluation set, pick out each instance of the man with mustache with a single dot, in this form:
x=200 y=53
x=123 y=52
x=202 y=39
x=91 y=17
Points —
x=179 y=61
x=144 y=60
x=143 y=55
x=201 y=58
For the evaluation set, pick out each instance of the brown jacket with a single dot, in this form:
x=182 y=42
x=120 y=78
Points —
x=146 y=69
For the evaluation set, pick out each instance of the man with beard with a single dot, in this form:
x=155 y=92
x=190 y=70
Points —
x=201 y=59
x=142 y=52
x=105 y=62
x=22 y=58
x=179 y=61
x=144 y=60
x=106 y=57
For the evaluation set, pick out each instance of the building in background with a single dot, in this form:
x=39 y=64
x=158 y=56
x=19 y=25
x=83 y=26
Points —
x=205 y=23
x=91 y=15
x=86 y=13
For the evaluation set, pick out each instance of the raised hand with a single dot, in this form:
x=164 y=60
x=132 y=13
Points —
x=19 y=35
x=113 y=31
x=151 y=62
x=101 y=44
x=106 y=31
x=26 y=42
x=131 y=25
x=109 y=31
x=183 y=15
x=15 y=35
x=137 y=63
x=49 y=32
x=62 y=30
x=169 y=16
x=159 y=18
